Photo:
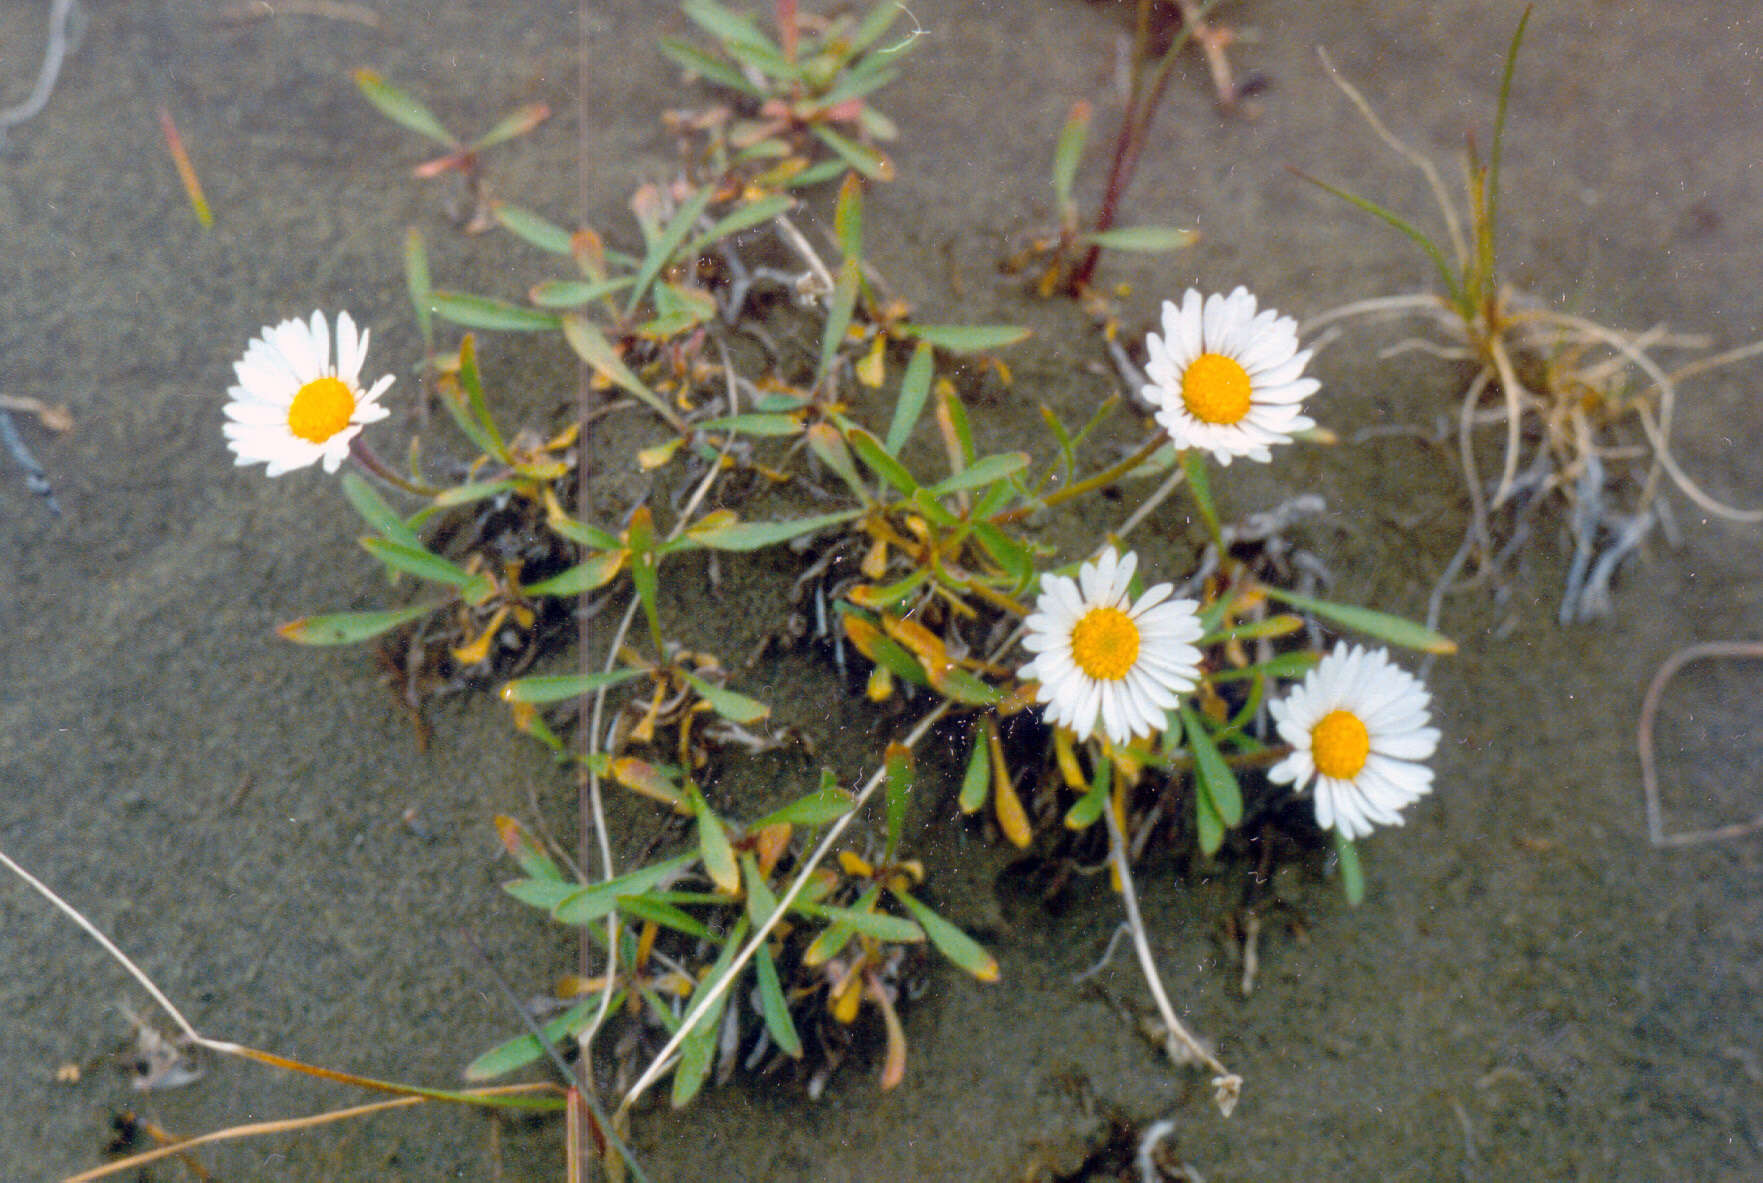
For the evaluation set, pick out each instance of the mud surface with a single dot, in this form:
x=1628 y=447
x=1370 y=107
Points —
x=1529 y=992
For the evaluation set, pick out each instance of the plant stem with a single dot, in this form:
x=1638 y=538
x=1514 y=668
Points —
x=1088 y=485
x=371 y=464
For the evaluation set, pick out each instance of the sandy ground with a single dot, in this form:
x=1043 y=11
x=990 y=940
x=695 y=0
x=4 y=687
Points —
x=1530 y=991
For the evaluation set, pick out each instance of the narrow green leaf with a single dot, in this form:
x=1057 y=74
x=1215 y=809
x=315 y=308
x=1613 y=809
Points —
x=403 y=109
x=708 y=67
x=1193 y=464
x=818 y=808
x=977 y=780
x=914 y=390
x=1209 y=827
x=573 y=293
x=486 y=312
x=580 y=532
x=416 y=282
x=871 y=162
x=472 y=492
x=870 y=451
x=967 y=689
x=1396 y=630
x=713 y=843
x=532 y=229
x=838 y=316
x=983 y=472
x=1089 y=807
x=968 y=338
x=880 y=19
x=1067 y=155
x=471 y=381
x=348 y=628
x=525 y=1049
x=1141 y=239
x=423 y=564
x=742 y=536
x=376 y=512
x=880 y=925
x=774 y=1006
x=1352 y=874
x=829 y=447
x=737 y=708
x=515 y=123
x=543 y=894
x=590 y=903
x=742 y=217
x=698 y=1051
x=596 y=571
x=1453 y=285
x=954 y=944
x=898 y=789
x=645 y=907
x=1281 y=665
x=661 y=251
x=761 y=900
x=556 y=687
x=848 y=218
x=1215 y=780
x=724 y=24
x=768 y=423
x=526 y=851
x=592 y=347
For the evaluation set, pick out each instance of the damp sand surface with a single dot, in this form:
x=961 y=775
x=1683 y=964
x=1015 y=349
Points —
x=1530 y=991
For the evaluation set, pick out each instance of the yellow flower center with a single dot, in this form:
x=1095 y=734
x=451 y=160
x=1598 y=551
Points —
x=320 y=409
x=1105 y=644
x=1340 y=744
x=1215 y=389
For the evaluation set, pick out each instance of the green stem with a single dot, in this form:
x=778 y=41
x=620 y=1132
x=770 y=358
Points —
x=1088 y=485
x=371 y=464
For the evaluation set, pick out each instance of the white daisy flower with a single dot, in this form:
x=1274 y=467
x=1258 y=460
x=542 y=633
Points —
x=1226 y=378
x=1098 y=653
x=1358 y=726
x=292 y=406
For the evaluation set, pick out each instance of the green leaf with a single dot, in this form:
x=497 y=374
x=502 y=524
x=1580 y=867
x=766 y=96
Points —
x=416 y=282
x=555 y=688
x=725 y=25
x=712 y=68
x=660 y=912
x=515 y=123
x=1396 y=630
x=1352 y=874
x=818 y=808
x=848 y=218
x=761 y=900
x=914 y=389
x=838 y=316
x=881 y=18
x=697 y=1052
x=1216 y=782
x=595 y=572
x=713 y=843
x=966 y=688
x=532 y=229
x=375 y=511
x=486 y=312
x=737 y=708
x=425 y=564
x=954 y=944
x=661 y=251
x=871 y=162
x=1207 y=824
x=475 y=491
x=1281 y=665
x=524 y=1049
x=774 y=1006
x=1067 y=155
x=1452 y=283
x=968 y=338
x=578 y=531
x=588 y=904
x=402 y=109
x=742 y=217
x=347 y=628
x=870 y=451
x=526 y=851
x=977 y=780
x=983 y=472
x=471 y=381
x=1083 y=814
x=592 y=347
x=1141 y=239
x=543 y=894
x=1193 y=464
x=829 y=447
x=573 y=293
x=732 y=534
x=898 y=788
x=770 y=423
x=880 y=925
